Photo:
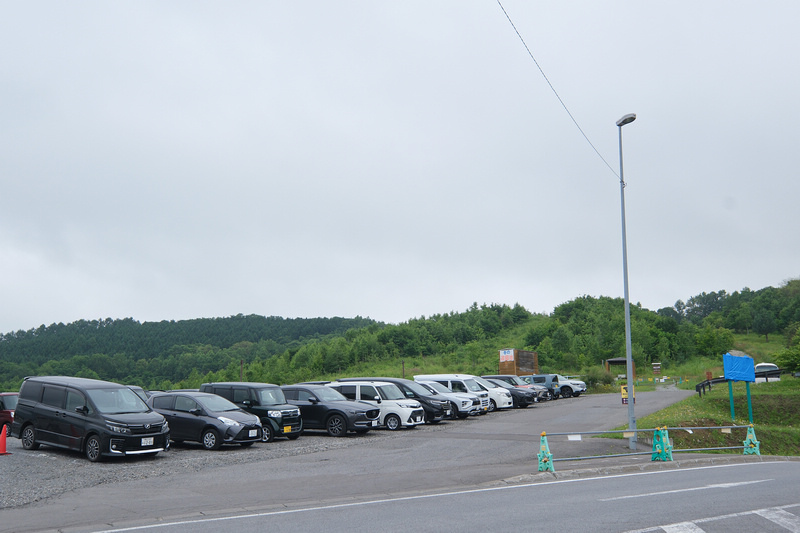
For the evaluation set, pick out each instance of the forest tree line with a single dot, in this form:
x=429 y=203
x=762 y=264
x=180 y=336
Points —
x=578 y=335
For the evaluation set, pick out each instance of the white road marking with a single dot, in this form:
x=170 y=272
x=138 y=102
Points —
x=706 y=487
x=683 y=527
x=783 y=518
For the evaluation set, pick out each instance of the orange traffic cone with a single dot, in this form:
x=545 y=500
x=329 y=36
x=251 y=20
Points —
x=3 y=441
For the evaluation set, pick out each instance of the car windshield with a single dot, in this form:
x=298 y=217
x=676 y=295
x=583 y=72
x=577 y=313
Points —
x=10 y=401
x=501 y=383
x=117 y=401
x=417 y=388
x=327 y=394
x=485 y=383
x=271 y=396
x=473 y=385
x=390 y=392
x=516 y=380
x=215 y=404
x=561 y=378
x=435 y=386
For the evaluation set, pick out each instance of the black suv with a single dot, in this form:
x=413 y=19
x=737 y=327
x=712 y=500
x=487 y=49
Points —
x=324 y=408
x=264 y=400
x=434 y=408
x=98 y=418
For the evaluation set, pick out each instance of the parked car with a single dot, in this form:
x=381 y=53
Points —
x=140 y=392
x=549 y=381
x=8 y=402
x=571 y=387
x=499 y=398
x=542 y=393
x=206 y=418
x=459 y=383
x=767 y=372
x=521 y=397
x=97 y=418
x=325 y=408
x=264 y=400
x=435 y=407
x=462 y=404
x=396 y=410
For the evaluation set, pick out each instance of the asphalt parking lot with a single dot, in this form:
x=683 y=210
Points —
x=496 y=448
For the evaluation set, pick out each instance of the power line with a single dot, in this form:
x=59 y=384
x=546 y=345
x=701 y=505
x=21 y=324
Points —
x=554 y=89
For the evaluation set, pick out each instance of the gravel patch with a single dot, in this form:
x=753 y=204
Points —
x=32 y=476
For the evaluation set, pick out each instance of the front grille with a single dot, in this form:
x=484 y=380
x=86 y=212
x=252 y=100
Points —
x=140 y=429
x=476 y=401
x=290 y=413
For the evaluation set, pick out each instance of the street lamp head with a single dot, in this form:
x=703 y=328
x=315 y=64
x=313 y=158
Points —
x=627 y=119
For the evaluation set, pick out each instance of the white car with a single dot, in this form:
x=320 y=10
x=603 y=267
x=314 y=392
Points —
x=461 y=403
x=459 y=383
x=570 y=387
x=499 y=397
x=396 y=410
x=774 y=372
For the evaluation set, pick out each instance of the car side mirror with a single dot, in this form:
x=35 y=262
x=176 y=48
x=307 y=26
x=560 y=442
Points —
x=378 y=399
x=196 y=412
x=313 y=400
x=82 y=410
x=248 y=403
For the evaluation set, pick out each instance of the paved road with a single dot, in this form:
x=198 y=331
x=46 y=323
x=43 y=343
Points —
x=492 y=450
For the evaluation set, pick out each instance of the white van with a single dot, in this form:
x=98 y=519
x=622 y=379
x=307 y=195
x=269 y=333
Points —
x=459 y=383
x=396 y=410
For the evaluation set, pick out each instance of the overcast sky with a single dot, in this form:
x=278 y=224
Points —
x=172 y=160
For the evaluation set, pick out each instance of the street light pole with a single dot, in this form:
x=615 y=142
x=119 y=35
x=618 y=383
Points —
x=627 y=119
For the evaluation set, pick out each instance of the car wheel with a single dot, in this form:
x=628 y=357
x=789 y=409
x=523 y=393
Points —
x=293 y=436
x=267 y=433
x=28 y=437
x=492 y=406
x=336 y=426
x=392 y=422
x=211 y=440
x=92 y=448
x=566 y=392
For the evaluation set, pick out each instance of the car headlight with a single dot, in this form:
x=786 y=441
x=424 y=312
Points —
x=227 y=421
x=274 y=414
x=466 y=403
x=408 y=405
x=165 y=427
x=116 y=428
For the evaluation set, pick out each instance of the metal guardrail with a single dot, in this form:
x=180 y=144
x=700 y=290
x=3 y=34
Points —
x=545 y=449
x=700 y=388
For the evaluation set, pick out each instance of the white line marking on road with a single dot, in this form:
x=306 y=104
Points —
x=782 y=518
x=420 y=497
x=706 y=487
x=683 y=527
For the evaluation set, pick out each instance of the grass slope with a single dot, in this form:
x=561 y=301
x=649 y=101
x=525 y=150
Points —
x=775 y=407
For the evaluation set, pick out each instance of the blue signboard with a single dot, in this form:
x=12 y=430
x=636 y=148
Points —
x=739 y=367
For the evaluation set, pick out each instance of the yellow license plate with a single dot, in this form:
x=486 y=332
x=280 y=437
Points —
x=287 y=429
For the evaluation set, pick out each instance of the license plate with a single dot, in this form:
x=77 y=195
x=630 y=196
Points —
x=147 y=441
x=447 y=413
x=287 y=429
x=374 y=422
x=419 y=419
x=252 y=433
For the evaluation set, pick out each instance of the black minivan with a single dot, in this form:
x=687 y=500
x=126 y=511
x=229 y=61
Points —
x=98 y=418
